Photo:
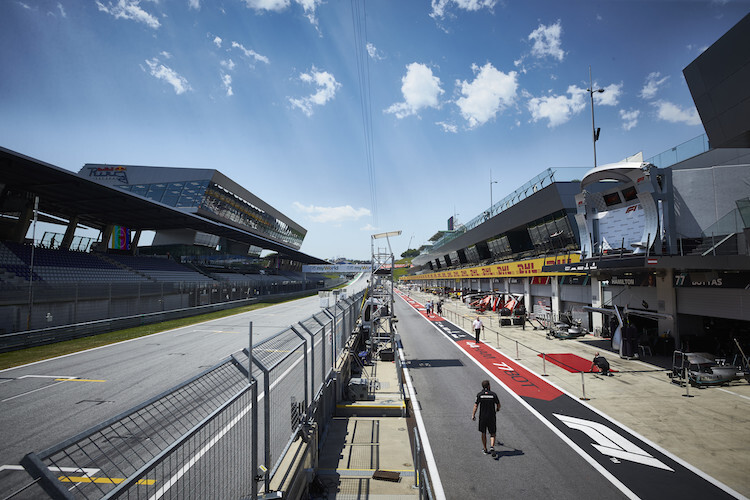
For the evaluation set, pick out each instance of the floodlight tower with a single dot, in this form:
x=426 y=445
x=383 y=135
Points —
x=381 y=290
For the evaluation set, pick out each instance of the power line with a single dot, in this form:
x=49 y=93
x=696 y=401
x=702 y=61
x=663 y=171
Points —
x=359 y=26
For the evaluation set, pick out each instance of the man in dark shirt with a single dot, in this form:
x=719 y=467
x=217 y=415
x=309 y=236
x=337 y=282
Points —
x=601 y=363
x=488 y=405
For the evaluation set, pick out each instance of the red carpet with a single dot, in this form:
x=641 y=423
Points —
x=572 y=363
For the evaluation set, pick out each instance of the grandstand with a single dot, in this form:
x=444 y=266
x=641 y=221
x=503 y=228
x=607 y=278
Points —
x=209 y=235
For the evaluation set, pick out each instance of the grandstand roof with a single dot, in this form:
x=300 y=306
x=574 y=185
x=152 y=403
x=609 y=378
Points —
x=65 y=194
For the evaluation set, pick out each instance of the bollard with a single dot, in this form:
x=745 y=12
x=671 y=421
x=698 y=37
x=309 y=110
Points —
x=497 y=339
x=583 y=389
x=517 y=356
x=417 y=458
x=544 y=365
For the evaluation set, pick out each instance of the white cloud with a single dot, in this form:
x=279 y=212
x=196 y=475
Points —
x=228 y=64
x=440 y=6
x=610 y=95
x=629 y=118
x=308 y=6
x=651 y=87
x=250 y=53
x=194 y=4
x=129 y=9
x=373 y=52
x=547 y=41
x=327 y=87
x=217 y=41
x=275 y=5
x=61 y=9
x=448 y=127
x=165 y=54
x=420 y=88
x=673 y=113
x=558 y=109
x=332 y=214
x=369 y=227
x=161 y=72
x=491 y=92
x=226 y=80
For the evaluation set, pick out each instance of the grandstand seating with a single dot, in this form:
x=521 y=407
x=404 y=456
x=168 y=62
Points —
x=62 y=266
x=159 y=268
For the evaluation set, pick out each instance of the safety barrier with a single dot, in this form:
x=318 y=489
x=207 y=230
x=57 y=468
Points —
x=221 y=434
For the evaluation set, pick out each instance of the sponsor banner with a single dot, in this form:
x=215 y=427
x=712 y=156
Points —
x=712 y=279
x=521 y=268
x=116 y=174
x=622 y=227
x=336 y=268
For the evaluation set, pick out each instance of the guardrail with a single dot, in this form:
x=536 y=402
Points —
x=221 y=434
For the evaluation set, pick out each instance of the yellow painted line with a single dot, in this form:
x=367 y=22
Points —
x=100 y=480
x=78 y=380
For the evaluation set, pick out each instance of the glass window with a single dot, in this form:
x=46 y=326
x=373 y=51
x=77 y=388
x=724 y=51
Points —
x=611 y=199
x=172 y=193
x=140 y=189
x=192 y=194
x=156 y=191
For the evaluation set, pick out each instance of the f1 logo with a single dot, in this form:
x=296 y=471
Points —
x=609 y=443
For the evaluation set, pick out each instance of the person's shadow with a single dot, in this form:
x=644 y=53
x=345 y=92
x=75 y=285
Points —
x=508 y=453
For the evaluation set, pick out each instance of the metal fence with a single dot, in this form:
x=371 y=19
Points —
x=207 y=437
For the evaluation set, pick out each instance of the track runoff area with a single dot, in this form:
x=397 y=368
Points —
x=635 y=466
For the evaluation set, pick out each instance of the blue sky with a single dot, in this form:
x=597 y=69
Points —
x=353 y=118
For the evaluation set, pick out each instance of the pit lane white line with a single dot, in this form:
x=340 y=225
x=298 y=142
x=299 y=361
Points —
x=734 y=393
x=437 y=484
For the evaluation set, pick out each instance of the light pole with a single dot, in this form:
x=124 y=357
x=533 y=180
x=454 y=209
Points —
x=491 y=183
x=595 y=131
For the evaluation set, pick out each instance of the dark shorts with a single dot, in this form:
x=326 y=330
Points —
x=488 y=425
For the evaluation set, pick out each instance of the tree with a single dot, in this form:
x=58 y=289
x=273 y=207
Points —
x=410 y=253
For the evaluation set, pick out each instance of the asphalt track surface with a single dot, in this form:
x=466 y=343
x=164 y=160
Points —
x=40 y=408
x=553 y=445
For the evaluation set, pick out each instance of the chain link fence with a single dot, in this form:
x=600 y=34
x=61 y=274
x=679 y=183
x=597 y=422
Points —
x=209 y=436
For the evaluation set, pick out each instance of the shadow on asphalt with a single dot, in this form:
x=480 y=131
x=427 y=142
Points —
x=433 y=363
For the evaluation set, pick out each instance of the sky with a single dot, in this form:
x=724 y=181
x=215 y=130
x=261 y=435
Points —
x=354 y=117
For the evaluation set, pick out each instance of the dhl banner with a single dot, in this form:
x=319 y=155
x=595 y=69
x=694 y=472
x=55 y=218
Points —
x=521 y=268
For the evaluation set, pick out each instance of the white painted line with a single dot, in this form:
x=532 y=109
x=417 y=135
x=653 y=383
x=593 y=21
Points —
x=734 y=393
x=31 y=392
x=437 y=484
x=45 y=376
x=86 y=470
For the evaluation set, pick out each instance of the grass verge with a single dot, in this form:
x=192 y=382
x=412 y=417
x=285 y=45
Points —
x=24 y=356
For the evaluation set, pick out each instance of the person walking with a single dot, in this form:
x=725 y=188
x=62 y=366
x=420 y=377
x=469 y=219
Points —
x=478 y=328
x=440 y=307
x=428 y=306
x=488 y=405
